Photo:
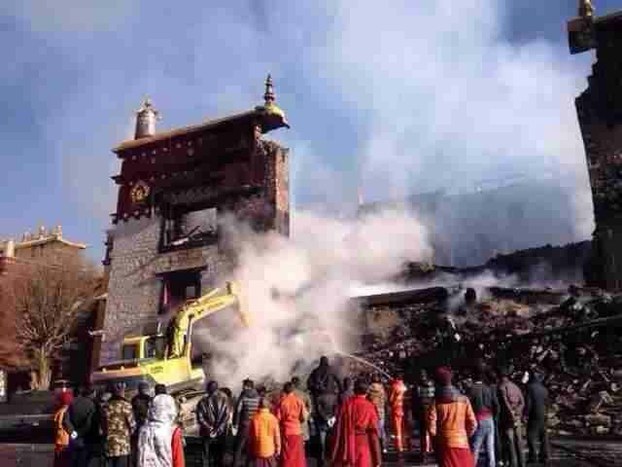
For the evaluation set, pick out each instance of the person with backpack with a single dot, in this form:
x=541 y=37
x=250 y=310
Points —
x=62 y=454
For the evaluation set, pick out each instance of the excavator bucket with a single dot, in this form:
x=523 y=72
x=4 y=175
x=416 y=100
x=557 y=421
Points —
x=233 y=288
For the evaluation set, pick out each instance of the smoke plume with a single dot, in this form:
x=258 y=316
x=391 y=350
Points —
x=297 y=291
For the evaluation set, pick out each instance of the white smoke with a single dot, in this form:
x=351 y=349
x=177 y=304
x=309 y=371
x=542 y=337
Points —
x=297 y=291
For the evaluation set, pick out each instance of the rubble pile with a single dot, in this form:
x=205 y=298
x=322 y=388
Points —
x=573 y=338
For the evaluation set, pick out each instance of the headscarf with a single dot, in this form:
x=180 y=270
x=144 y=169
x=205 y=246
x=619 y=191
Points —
x=155 y=437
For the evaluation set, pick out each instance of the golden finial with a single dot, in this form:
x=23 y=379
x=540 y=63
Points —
x=586 y=9
x=269 y=96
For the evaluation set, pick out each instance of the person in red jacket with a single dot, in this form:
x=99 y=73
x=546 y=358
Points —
x=356 y=442
x=160 y=439
x=396 y=404
x=291 y=413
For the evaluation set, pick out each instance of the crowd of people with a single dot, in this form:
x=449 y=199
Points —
x=336 y=422
x=110 y=431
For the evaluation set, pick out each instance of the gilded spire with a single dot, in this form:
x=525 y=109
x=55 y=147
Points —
x=273 y=117
x=586 y=9
x=269 y=96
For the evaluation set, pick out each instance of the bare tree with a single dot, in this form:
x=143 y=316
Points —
x=11 y=353
x=47 y=301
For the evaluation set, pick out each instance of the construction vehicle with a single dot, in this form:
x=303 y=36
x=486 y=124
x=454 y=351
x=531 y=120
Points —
x=166 y=358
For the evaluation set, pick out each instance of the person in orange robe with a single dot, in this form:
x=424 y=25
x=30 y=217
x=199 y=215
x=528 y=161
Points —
x=451 y=421
x=291 y=413
x=356 y=442
x=396 y=403
x=264 y=437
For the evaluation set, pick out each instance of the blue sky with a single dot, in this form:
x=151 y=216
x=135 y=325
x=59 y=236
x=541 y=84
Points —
x=393 y=99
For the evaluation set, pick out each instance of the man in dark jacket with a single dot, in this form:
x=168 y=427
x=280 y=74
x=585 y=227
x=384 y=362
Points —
x=83 y=423
x=536 y=408
x=140 y=404
x=324 y=387
x=247 y=406
x=486 y=406
x=511 y=407
x=213 y=417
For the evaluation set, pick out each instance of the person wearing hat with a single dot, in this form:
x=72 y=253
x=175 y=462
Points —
x=118 y=426
x=451 y=421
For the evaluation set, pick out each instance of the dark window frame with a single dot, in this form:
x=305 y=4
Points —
x=192 y=276
x=171 y=236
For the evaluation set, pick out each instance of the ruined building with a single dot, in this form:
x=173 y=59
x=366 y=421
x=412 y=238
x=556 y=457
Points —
x=599 y=109
x=167 y=244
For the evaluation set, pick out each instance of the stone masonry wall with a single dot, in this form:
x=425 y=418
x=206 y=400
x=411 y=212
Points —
x=134 y=289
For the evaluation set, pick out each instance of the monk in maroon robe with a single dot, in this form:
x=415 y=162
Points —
x=356 y=442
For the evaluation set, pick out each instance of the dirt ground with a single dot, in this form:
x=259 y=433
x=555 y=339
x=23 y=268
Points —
x=566 y=453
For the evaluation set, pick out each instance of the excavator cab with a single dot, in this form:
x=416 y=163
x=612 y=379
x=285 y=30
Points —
x=143 y=347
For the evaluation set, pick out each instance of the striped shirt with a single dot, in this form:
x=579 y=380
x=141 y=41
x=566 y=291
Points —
x=247 y=406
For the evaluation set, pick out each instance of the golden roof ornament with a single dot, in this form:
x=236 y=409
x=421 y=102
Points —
x=269 y=96
x=275 y=116
x=586 y=9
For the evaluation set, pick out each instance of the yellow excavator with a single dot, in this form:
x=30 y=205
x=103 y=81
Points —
x=167 y=358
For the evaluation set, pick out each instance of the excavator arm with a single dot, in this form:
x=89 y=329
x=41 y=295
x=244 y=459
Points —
x=195 y=310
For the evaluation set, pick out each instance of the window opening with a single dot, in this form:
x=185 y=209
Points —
x=191 y=228
x=179 y=287
x=129 y=352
